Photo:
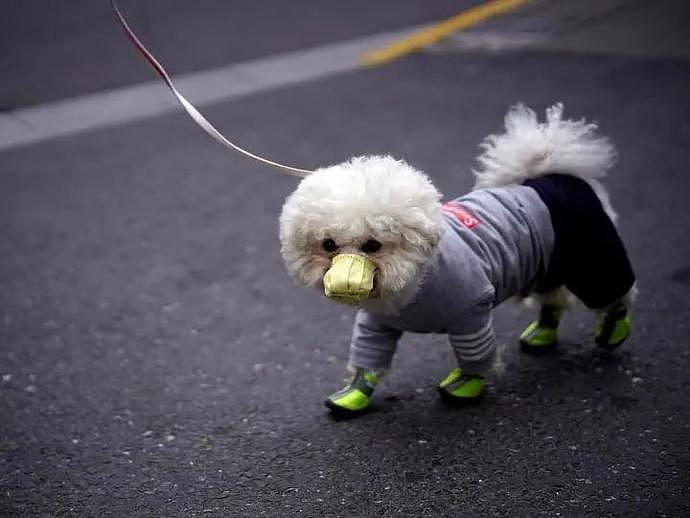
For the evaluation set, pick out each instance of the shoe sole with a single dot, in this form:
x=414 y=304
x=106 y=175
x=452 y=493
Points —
x=458 y=401
x=609 y=347
x=344 y=413
x=537 y=350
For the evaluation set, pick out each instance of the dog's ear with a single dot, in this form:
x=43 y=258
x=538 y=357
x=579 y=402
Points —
x=424 y=234
x=421 y=226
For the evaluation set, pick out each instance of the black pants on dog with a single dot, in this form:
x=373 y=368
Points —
x=588 y=256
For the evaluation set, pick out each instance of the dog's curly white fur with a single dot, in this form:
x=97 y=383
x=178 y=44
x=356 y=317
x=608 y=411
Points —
x=529 y=149
x=375 y=197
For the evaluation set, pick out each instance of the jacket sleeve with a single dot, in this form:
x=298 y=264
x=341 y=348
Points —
x=473 y=339
x=373 y=342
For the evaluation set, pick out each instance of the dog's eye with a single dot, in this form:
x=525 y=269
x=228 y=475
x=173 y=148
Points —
x=371 y=246
x=329 y=245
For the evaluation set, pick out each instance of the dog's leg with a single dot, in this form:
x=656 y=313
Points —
x=372 y=349
x=613 y=322
x=541 y=336
x=354 y=398
x=476 y=354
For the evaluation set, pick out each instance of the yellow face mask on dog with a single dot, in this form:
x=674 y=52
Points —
x=350 y=278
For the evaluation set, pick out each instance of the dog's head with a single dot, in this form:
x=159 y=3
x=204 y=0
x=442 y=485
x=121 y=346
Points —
x=362 y=230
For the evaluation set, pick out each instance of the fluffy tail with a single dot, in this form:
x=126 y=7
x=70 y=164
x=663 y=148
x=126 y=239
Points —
x=529 y=149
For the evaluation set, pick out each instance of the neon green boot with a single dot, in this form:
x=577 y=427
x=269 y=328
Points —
x=612 y=328
x=541 y=336
x=460 y=389
x=354 y=398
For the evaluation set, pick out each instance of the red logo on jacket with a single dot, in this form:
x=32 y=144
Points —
x=460 y=213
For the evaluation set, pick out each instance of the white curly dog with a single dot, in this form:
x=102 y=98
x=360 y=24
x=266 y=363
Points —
x=374 y=232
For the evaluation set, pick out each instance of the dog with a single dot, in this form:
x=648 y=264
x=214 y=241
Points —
x=374 y=232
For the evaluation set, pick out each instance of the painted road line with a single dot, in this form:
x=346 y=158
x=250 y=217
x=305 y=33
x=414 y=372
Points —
x=436 y=32
x=492 y=41
x=121 y=105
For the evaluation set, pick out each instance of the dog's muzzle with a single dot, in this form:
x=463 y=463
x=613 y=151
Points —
x=350 y=278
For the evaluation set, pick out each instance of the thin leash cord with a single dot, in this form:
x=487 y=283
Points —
x=190 y=109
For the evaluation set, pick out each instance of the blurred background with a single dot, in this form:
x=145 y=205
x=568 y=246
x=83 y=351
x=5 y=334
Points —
x=155 y=358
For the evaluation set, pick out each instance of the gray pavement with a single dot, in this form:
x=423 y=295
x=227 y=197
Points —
x=156 y=360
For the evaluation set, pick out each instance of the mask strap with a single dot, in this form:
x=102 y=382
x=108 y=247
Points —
x=191 y=110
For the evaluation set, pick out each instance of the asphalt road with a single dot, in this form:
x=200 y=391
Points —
x=156 y=359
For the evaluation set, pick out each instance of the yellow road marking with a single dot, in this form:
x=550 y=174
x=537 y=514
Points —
x=435 y=32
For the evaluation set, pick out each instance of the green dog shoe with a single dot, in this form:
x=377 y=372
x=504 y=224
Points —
x=461 y=389
x=612 y=329
x=536 y=339
x=353 y=399
x=541 y=336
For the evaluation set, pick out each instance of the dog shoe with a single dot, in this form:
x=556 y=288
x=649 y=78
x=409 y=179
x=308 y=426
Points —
x=459 y=389
x=536 y=339
x=354 y=398
x=542 y=335
x=612 y=328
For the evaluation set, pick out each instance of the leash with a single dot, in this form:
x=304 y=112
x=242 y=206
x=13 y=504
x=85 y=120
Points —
x=189 y=107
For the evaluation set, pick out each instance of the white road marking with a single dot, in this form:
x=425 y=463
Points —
x=492 y=41
x=121 y=105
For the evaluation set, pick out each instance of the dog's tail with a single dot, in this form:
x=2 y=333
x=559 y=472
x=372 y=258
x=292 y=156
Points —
x=529 y=149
